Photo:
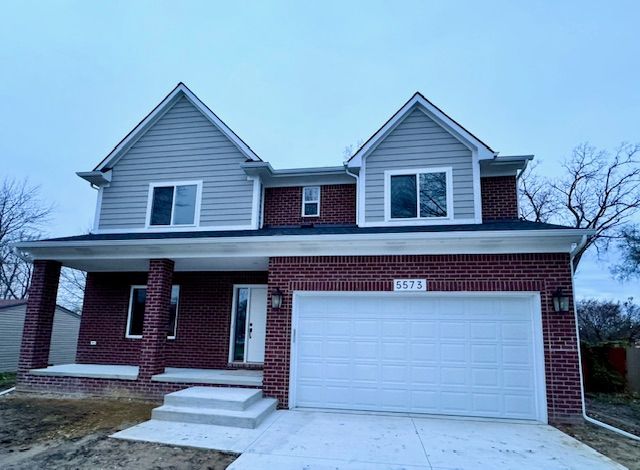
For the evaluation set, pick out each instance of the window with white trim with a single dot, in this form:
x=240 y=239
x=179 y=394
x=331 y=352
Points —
x=419 y=194
x=311 y=201
x=135 y=318
x=173 y=204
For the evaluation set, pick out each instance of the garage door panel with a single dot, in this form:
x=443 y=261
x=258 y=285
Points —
x=484 y=354
x=471 y=356
x=488 y=331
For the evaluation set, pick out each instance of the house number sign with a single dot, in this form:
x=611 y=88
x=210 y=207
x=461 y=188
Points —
x=409 y=285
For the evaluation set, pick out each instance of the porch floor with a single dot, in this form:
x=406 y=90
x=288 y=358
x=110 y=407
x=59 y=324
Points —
x=94 y=371
x=211 y=376
x=252 y=378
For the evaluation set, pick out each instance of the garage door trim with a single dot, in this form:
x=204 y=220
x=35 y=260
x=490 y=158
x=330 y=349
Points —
x=536 y=318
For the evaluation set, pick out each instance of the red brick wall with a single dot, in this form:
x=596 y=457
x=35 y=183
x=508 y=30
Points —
x=283 y=206
x=499 y=197
x=517 y=272
x=38 y=322
x=204 y=317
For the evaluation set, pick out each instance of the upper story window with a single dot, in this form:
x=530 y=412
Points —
x=174 y=204
x=311 y=201
x=418 y=194
x=135 y=319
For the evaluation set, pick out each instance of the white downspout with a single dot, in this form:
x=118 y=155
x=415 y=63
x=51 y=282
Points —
x=575 y=313
x=346 y=169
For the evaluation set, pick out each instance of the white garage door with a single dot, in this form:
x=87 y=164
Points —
x=456 y=354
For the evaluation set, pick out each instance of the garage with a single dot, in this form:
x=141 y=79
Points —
x=464 y=354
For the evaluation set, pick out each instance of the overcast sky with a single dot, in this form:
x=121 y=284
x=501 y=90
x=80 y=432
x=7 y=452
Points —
x=299 y=81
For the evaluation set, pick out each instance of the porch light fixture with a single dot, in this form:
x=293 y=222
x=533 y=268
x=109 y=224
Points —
x=560 y=301
x=276 y=299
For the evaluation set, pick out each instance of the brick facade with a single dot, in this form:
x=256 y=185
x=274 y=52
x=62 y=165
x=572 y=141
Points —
x=499 y=197
x=156 y=318
x=283 y=206
x=38 y=322
x=517 y=272
x=204 y=319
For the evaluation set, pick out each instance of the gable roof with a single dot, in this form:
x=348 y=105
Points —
x=418 y=101
x=156 y=113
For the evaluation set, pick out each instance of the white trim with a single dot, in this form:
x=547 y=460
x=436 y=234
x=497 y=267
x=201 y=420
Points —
x=126 y=332
x=262 y=206
x=159 y=111
x=477 y=190
x=144 y=286
x=177 y=228
x=96 y=216
x=418 y=222
x=255 y=202
x=448 y=171
x=233 y=320
x=439 y=242
x=362 y=189
x=536 y=318
x=315 y=201
x=164 y=184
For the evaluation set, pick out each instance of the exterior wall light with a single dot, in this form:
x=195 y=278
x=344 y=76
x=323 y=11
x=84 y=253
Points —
x=276 y=299
x=560 y=301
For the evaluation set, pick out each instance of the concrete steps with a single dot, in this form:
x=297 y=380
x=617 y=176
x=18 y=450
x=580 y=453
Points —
x=222 y=406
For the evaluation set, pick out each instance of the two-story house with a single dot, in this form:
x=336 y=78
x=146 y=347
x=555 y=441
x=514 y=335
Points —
x=401 y=281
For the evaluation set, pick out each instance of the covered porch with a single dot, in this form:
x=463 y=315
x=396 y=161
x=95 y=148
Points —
x=151 y=325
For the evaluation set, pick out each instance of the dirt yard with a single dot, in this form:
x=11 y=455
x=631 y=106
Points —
x=617 y=410
x=56 y=433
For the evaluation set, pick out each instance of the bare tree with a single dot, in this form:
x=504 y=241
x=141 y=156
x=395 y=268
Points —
x=629 y=247
x=597 y=189
x=22 y=216
x=603 y=321
x=71 y=291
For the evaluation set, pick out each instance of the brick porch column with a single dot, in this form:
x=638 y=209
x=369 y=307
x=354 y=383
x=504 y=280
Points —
x=38 y=321
x=156 y=318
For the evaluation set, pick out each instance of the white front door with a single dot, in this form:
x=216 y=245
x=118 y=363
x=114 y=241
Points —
x=248 y=323
x=466 y=354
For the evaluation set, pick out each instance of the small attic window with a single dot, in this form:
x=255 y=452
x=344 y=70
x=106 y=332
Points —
x=311 y=201
x=174 y=204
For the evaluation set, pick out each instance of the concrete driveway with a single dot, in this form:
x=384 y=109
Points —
x=322 y=440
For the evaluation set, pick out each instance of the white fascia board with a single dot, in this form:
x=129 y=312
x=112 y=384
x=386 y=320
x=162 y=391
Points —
x=96 y=178
x=484 y=152
x=161 y=109
x=296 y=176
x=538 y=241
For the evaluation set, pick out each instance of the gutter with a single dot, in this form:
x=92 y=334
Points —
x=585 y=416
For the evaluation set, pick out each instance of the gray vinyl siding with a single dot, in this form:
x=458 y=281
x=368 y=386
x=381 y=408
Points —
x=64 y=338
x=181 y=145
x=419 y=142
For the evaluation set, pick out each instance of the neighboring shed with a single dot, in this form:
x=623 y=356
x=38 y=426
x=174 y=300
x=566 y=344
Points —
x=64 y=338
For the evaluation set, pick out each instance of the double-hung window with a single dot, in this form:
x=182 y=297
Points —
x=311 y=201
x=418 y=194
x=135 y=319
x=174 y=204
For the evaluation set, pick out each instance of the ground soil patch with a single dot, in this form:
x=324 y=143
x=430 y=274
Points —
x=62 y=433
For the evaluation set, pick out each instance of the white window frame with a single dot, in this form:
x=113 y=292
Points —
x=196 y=215
x=129 y=311
x=448 y=171
x=317 y=214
